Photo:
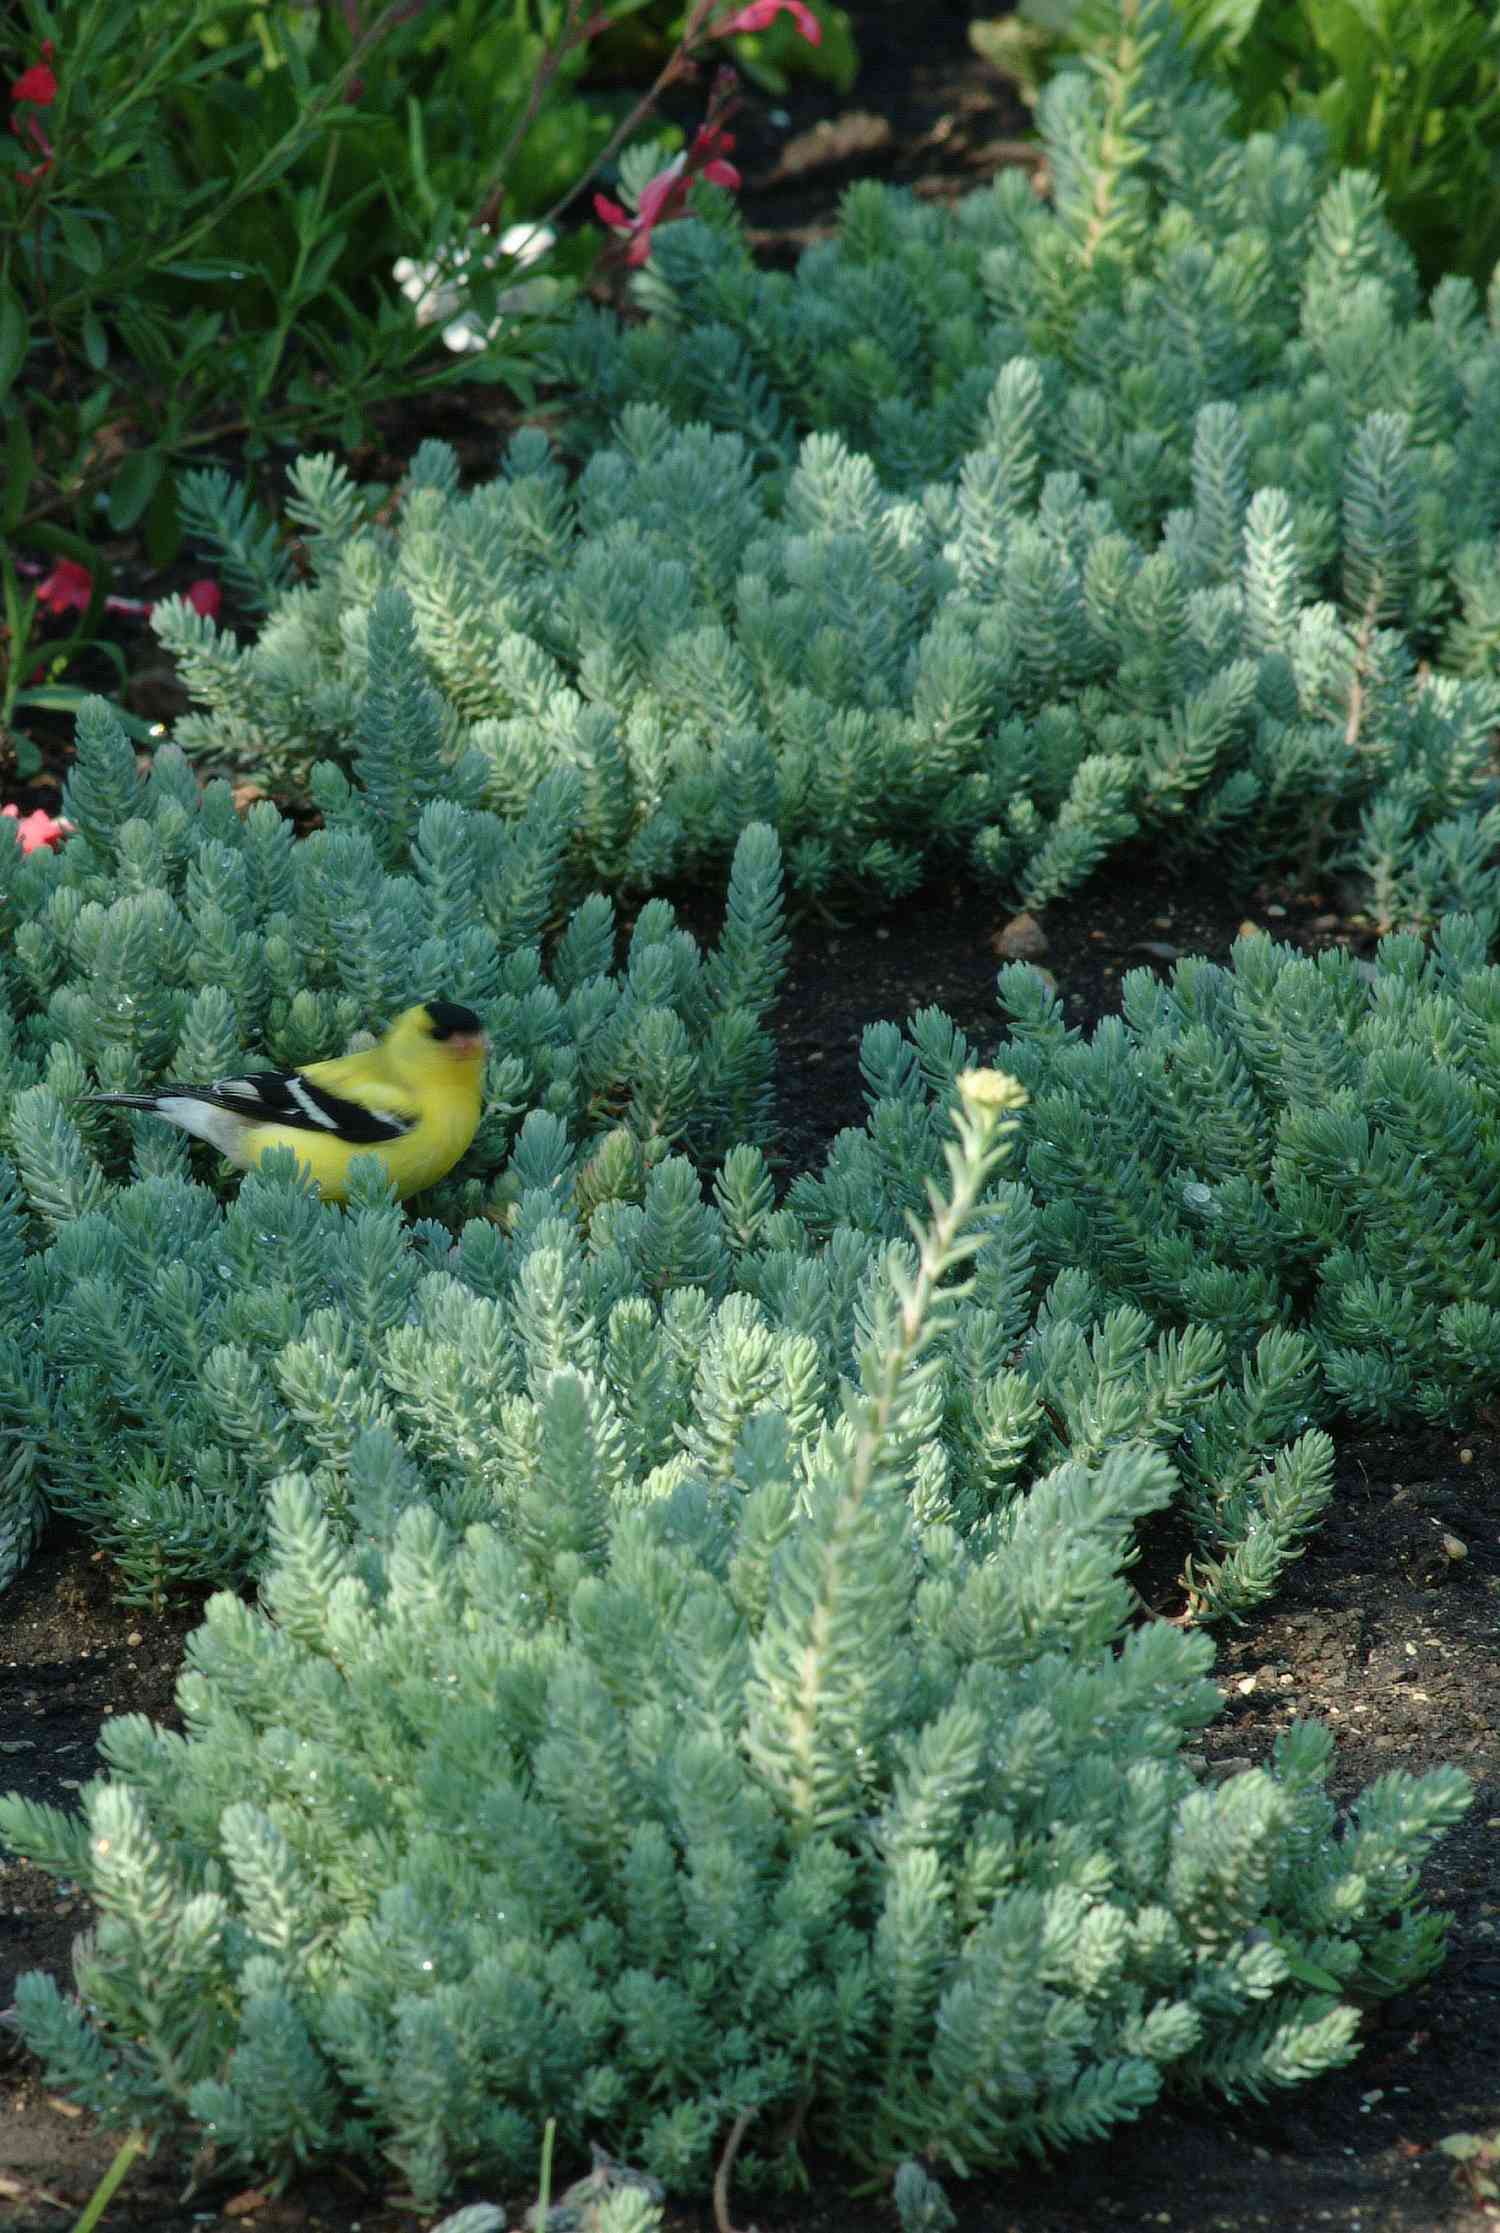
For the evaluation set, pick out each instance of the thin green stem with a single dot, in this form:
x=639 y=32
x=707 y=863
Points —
x=98 y=2202
x=545 y=71
x=672 y=68
x=544 y=2184
x=307 y=235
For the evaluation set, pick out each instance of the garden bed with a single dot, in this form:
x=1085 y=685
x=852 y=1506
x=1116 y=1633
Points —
x=1385 y=1628
x=1378 y=1630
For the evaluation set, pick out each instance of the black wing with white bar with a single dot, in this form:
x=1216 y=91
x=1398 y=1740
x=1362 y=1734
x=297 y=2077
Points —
x=287 y=1097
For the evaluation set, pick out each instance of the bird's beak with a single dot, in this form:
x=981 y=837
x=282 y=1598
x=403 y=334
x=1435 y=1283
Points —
x=465 y=1044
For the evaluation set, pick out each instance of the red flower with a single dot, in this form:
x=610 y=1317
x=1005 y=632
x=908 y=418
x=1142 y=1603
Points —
x=706 y=157
x=205 y=597
x=664 y=196
x=67 y=588
x=38 y=85
x=760 y=13
x=33 y=831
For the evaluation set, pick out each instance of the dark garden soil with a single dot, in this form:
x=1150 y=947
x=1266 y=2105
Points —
x=1386 y=1629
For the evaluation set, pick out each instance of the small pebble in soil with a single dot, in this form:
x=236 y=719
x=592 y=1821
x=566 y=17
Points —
x=1021 y=939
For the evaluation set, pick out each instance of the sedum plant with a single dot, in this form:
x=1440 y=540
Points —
x=996 y=670
x=479 y=1819
x=1289 y=1140
x=1170 y=263
x=1005 y=533
x=1260 y=1199
x=172 y=937
x=1405 y=90
x=1279 y=1176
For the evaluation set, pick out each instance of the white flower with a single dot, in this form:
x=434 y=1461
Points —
x=436 y=289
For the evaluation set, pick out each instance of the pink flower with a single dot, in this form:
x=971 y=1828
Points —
x=67 y=588
x=618 y=220
x=35 y=830
x=761 y=13
x=205 y=597
x=664 y=196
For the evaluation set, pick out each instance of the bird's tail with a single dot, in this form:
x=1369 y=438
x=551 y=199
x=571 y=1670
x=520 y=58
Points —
x=124 y=1100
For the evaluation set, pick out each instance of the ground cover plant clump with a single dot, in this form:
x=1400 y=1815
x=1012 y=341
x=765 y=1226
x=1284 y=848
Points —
x=1409 y=92
x=170 y=932
x=1262 y=1199
x=991 y=571
x=889 y=1783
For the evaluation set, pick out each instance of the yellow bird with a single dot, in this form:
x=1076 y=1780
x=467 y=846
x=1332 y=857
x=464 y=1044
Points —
x=414 y=1101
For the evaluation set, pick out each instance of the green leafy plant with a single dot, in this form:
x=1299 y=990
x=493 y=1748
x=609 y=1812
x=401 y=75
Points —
x=34 y=657
x=238 y=264
x=202 y=213
x=188 y=257
x=229 y=275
